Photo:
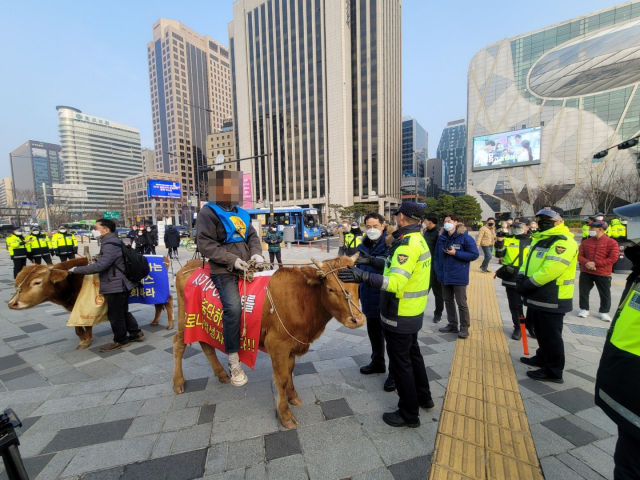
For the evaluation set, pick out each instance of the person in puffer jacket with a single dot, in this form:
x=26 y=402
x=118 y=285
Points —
x=455 y=250
x=597 y=255
x=376 y=243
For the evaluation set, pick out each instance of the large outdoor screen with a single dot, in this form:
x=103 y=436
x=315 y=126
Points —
x=509 y=149
x=163 y=189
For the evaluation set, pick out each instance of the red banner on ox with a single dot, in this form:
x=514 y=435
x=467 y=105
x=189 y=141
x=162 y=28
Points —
x=246 y=191
x=203 y=312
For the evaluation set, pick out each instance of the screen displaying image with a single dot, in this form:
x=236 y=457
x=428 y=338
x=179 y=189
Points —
x=163 y=189
x=508 y=149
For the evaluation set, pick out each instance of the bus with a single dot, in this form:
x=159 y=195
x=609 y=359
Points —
x=305 y=221
x=81 y=225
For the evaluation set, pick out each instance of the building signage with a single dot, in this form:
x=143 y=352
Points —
x=246 y=191
x=87 y=118
x=163 y=189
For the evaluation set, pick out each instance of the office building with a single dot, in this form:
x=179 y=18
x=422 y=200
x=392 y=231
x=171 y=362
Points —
x=97 y=154
x=222 y=143
x=541 y=105
x=190 y=85
x=32 y=164
x=6 y=192
x=327 y=76
x=148 y=160
x=137 y=203
x=415 y=147
x=435 y=174
x=452 y=150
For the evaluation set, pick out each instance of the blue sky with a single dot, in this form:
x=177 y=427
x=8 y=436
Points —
x=92 y=56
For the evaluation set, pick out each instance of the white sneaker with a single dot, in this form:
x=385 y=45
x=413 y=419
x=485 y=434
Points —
x=238 y=377
x=583 y=313
x=605 y=317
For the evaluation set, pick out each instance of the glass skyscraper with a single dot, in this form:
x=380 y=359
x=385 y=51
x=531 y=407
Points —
x=326 y=77
x=32 y=164
x=415 y=147
x=575 y=84
x=452 y=149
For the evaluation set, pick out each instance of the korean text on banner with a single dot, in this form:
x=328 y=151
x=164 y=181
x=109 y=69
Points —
x=246 y=191
x=154 y=288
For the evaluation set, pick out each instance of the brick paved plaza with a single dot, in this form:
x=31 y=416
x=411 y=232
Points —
x=90 y=416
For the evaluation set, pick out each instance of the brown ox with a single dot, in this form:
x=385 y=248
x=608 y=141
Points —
x=306 y=299
x=39 y=283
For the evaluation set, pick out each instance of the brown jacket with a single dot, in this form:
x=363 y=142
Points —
x=340 y=231
x=486 y=236
x=210 y=241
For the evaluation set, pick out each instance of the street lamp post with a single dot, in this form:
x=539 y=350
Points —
x=269 y=169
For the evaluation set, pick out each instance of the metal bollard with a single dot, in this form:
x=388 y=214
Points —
x=9 y=446
x=327 y=244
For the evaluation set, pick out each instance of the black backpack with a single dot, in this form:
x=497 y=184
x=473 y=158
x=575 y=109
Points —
x=136 y=266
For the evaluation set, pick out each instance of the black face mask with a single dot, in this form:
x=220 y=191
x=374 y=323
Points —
x=546 y=224
x=490 y=224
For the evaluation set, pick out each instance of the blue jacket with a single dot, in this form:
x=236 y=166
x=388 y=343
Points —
x=369 y=296
x=454 y=269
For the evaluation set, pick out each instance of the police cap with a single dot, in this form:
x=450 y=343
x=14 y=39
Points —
x=552 y=212
x=411 y=209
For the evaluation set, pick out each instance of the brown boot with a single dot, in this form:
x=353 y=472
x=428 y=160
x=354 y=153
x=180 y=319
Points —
x=113 y=346
x=139 y=338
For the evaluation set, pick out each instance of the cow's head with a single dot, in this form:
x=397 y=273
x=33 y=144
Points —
x=34 y=285
x=341 y=299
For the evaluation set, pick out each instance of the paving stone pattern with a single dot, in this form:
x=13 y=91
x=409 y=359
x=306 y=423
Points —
x=91 y=416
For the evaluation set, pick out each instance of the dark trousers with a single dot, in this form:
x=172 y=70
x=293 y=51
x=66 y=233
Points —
x=488 y=255
x=456 y=294
x=121 y=320
x=515 y=306
x=374 y=330
x=548 y=328
x=45 y=256
x=602 y=283
x=437 y=292
x=227 y=286
x=277 y=255
x=66 y=256
x=626 y=458
x=173 y=252
x=406 y=366
x=18 y=265
x=340 y=251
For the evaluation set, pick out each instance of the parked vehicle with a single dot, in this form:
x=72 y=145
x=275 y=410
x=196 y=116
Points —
x=323 y=231
x=6 y=230
x=184 y=231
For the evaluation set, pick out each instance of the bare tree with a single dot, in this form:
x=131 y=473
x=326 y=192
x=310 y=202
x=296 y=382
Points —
x=548 y=195
x=515 y=201
x=629 y=187
x=601 y=187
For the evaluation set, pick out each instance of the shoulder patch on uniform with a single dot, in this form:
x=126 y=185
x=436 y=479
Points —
x=405 y=241
x=402 y=258
x=561 y=250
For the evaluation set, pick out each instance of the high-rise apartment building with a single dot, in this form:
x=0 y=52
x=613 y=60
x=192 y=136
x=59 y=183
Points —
x=222 y=143
x=415 y=147
x=98 y=154
x=6 y=192
x=452 y=149
x=148 y=160
x=32 y=164
x=190 y=84
x=324 y=80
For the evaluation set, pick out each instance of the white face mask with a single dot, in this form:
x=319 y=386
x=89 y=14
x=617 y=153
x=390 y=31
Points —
x=448 y=226
x=97 y=233
x=592 y=233
x=140 y=233
x=374 y=234
x=599 y=218
x=62 y=230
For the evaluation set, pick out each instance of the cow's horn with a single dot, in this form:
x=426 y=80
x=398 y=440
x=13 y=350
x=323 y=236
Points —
x=355 y=257
x=317 y=263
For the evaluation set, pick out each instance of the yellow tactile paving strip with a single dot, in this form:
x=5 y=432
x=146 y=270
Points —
x=483 y=432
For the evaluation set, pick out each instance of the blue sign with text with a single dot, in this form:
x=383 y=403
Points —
x=154 y=288
x=163 y=189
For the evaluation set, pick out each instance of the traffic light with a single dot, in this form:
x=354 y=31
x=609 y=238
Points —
x=601 y=154
x=628 y=144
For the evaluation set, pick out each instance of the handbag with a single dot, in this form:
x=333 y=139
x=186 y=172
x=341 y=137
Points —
x=90 y=308
x=507 y=272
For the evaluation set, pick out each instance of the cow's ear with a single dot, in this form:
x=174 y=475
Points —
x=58 y=275
x=311 y=275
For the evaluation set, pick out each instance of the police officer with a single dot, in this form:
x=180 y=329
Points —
x=404 y=287
x=585 y=229
x=546 y=281
x=19 y=249
x=64 y=244
x=513 y=249
x=352 y=240
x=40 y=246
x=618 y=377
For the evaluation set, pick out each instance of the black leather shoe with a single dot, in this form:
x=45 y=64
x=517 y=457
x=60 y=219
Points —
x=532 y=362
x=543 y=375
x=428 y=404
x=389 y=384
x=517 y=334
x=371 y=369
x=395 y=420
x=437 y=318
x=448 y=329
x=463 y=333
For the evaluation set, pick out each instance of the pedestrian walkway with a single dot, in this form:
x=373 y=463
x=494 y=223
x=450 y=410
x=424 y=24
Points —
x=483 y=431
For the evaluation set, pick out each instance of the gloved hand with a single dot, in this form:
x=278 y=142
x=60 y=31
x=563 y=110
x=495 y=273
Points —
x=353 y=275
x=257 y=258
x=363 y=259
x=240 y=265
x=525 y=288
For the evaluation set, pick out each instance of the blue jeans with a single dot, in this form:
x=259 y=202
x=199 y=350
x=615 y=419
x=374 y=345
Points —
x=227 y=286
x=488 y=255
